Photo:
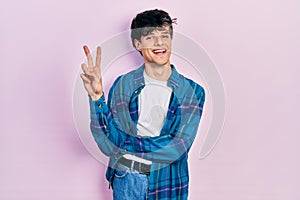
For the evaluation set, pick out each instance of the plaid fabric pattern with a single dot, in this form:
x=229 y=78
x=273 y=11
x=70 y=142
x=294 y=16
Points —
x=113 y=125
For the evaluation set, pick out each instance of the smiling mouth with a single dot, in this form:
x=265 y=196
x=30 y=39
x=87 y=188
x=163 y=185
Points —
x=159 y=51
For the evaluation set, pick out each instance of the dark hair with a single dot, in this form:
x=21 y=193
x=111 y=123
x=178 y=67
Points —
x=145 y=22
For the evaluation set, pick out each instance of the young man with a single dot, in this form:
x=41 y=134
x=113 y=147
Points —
x=151 y=118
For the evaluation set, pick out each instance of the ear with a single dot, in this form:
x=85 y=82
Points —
x=137 y=44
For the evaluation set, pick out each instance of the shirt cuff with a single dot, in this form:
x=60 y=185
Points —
x=97 y=106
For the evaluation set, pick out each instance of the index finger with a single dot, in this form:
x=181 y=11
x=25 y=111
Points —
x=86 y=50
x=88 y=55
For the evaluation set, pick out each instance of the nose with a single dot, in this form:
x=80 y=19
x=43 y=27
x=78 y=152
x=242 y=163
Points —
x=158 y=41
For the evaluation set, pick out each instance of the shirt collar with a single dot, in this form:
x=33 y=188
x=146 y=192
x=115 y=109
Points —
x=173 y=82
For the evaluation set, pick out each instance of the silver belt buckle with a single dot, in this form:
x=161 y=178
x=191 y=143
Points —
x=132 y=165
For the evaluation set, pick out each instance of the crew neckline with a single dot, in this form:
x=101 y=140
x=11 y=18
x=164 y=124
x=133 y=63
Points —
x=151 y=80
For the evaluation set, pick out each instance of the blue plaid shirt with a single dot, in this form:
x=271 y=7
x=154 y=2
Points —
x=114 y=127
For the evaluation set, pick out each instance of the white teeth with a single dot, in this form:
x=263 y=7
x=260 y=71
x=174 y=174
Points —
x=159 y=51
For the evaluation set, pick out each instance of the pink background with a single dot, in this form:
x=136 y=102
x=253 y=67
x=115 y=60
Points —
x=254 y=44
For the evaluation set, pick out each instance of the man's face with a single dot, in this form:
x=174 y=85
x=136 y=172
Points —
x=156 y=46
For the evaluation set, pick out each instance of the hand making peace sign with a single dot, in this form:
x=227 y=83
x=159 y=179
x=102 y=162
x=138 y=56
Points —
x=91 y=77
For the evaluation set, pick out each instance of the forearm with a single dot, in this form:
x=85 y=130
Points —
x=165 y=148
x=170 y=146
x=108 y=138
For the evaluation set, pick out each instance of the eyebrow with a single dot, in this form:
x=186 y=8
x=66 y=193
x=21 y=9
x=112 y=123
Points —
x=163 y=32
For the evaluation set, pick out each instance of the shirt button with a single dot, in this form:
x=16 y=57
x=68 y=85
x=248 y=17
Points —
x=136 y=91
x=100 y=105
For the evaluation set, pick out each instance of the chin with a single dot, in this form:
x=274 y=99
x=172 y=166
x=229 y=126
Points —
x=161 y=63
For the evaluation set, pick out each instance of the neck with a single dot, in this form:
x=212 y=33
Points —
x=161 y=73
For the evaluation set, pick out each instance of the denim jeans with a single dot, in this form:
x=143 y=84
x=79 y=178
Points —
x=129 y=184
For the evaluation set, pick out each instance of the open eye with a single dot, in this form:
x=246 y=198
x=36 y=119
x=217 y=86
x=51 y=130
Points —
x=149 y=37
x=165 y=36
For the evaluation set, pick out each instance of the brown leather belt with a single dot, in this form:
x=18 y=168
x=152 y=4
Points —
x=140 y=167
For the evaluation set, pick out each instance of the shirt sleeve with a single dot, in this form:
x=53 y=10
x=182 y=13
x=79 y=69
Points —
x=115 y=132
x=170 y=147
x=108 y=137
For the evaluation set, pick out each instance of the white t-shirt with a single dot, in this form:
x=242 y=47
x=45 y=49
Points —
x=153 y=107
